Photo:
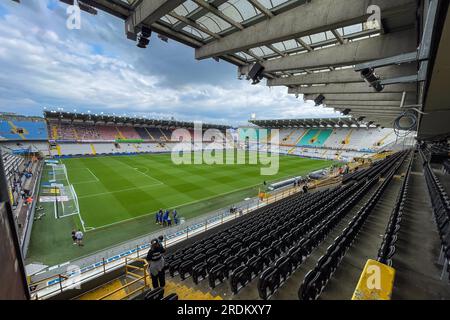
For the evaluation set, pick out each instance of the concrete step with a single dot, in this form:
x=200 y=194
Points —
x=289 y=290
x=366 y=246
x=418 y=273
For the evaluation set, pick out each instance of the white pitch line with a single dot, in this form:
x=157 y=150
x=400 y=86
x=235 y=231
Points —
x=121 y=190
x=177 y=206
x=93 y=175
x=136 y=169
x=54 y=209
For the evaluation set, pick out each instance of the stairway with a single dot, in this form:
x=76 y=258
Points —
x=113 y=286
x=366 y=246
x=163 y=134
x=347 y=138
x=94 y=152
x=148 y=132
x=14 y=129
x=418 y=245
x=187 y=293
x=120 y=134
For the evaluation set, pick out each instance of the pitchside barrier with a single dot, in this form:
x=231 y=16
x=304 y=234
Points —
x=56 y=279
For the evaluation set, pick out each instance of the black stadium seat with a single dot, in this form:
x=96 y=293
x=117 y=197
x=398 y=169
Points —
x=185 y=269
x=217 y=275
x=199 y=272
x=156 y=294
x=239 y=278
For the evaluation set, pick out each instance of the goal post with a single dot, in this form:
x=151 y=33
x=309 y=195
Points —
x=66 y=196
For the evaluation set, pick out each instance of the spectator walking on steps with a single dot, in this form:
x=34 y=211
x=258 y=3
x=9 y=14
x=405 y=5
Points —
x=155 y=259
x=305 y=188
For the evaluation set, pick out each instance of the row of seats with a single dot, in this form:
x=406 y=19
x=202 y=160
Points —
x=365 y=173
x=240 y=252
x=441 y=206
x=327 y=218
x=11 y=164
x=264 y=240
x=316 y=279
x=388 y=248
x=446 y=166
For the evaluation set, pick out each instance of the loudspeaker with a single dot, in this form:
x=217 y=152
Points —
x=346 y=112
x=146 y=32
x=255 y=72
x=319 y=100
x=372 y=79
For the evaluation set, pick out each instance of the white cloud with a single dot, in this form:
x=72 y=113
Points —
x=44 y=68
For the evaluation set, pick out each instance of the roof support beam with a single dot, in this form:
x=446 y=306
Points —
x=351 y=103
x=362 y=96
x=218 y=13
x=350 y=88
x=149 y=11
x=310 y=18
x=368 y=109
x=347 y=54
x=193 y=24
x=196 y=14
x=338 y=36
x=304 y=44
x=261 y=8
x=341 y=76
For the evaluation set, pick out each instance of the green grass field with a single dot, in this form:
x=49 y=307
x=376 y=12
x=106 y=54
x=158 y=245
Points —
x=119 y=195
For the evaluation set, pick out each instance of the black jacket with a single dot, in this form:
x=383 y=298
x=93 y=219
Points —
x=155 y=254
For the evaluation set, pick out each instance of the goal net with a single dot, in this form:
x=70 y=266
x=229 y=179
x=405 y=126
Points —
x=66 y=197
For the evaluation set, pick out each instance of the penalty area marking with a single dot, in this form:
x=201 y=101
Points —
x=121 y=190
x=96 y=179
x=173 y=207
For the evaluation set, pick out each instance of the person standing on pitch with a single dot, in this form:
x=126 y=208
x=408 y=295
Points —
x=165 y=218
x=175 y=213
x=79 y=235
x=159 y=215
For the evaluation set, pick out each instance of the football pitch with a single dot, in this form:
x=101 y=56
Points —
x=118 y=197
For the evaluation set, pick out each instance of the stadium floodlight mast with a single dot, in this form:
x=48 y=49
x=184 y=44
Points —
x=190 y=150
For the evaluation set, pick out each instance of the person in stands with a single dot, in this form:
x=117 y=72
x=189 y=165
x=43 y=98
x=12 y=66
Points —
x=161 y=241
x=305 y=188
x=155 y=259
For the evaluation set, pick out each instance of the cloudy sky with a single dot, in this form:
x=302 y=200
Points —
x=96 y=68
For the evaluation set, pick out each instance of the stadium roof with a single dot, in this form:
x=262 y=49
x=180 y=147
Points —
x=313 y=47
x=312 y=122
x=125 y=120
